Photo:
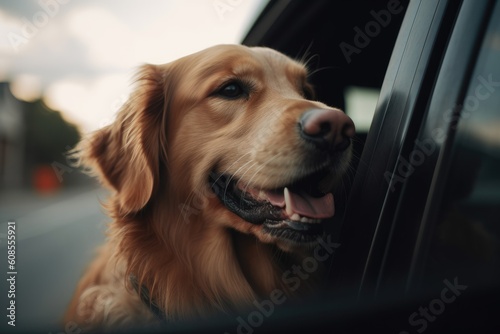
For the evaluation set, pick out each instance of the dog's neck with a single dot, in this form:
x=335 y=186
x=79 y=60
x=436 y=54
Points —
x=256 y=262
x=264 y=266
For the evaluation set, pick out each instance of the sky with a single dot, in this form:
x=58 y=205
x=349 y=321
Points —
x=80 y=55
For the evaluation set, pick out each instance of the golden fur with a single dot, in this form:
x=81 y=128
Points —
x=168 y=229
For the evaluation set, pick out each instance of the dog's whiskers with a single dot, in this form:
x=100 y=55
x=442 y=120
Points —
x=235 y=162
x=256 y=172
x=247 y=184
x=192 y=194
x=232 y=176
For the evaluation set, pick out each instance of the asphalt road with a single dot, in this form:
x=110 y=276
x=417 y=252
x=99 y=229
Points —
x=56 y=237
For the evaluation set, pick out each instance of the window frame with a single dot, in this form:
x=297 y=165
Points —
x=458 y=66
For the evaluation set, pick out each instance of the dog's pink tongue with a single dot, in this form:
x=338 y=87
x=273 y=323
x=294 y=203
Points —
x=303 y=204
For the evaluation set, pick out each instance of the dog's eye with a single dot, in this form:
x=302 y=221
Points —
x=232 y=91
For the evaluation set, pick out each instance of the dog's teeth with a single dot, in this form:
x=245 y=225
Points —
x=295 y=217
x=288 y=202
x=305 y=220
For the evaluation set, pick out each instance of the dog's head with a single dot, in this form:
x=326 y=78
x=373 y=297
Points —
x=227 y=136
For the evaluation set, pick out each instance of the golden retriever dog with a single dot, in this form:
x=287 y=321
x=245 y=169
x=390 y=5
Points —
x=221 y=168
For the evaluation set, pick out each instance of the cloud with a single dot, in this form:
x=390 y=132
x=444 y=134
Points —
x=7 y=24
x=91 y=104
x=47 y=51
x=109 y=43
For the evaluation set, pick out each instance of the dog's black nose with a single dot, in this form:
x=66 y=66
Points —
x=327 y=129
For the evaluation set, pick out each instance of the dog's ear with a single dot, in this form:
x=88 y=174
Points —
x=126 y=155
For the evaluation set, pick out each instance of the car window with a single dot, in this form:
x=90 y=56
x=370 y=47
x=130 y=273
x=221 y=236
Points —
x=465 y=241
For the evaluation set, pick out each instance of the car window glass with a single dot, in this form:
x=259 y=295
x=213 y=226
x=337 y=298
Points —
x=466 y=239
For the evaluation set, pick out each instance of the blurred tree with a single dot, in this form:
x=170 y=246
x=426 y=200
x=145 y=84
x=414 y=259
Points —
x=47 y=137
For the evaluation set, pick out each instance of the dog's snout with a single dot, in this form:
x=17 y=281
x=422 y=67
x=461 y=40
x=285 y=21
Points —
x=327 y=129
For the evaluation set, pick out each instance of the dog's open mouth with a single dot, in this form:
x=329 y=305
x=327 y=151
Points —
x=296 y=212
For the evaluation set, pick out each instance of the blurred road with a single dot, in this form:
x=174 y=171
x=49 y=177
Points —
x=56 y=237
